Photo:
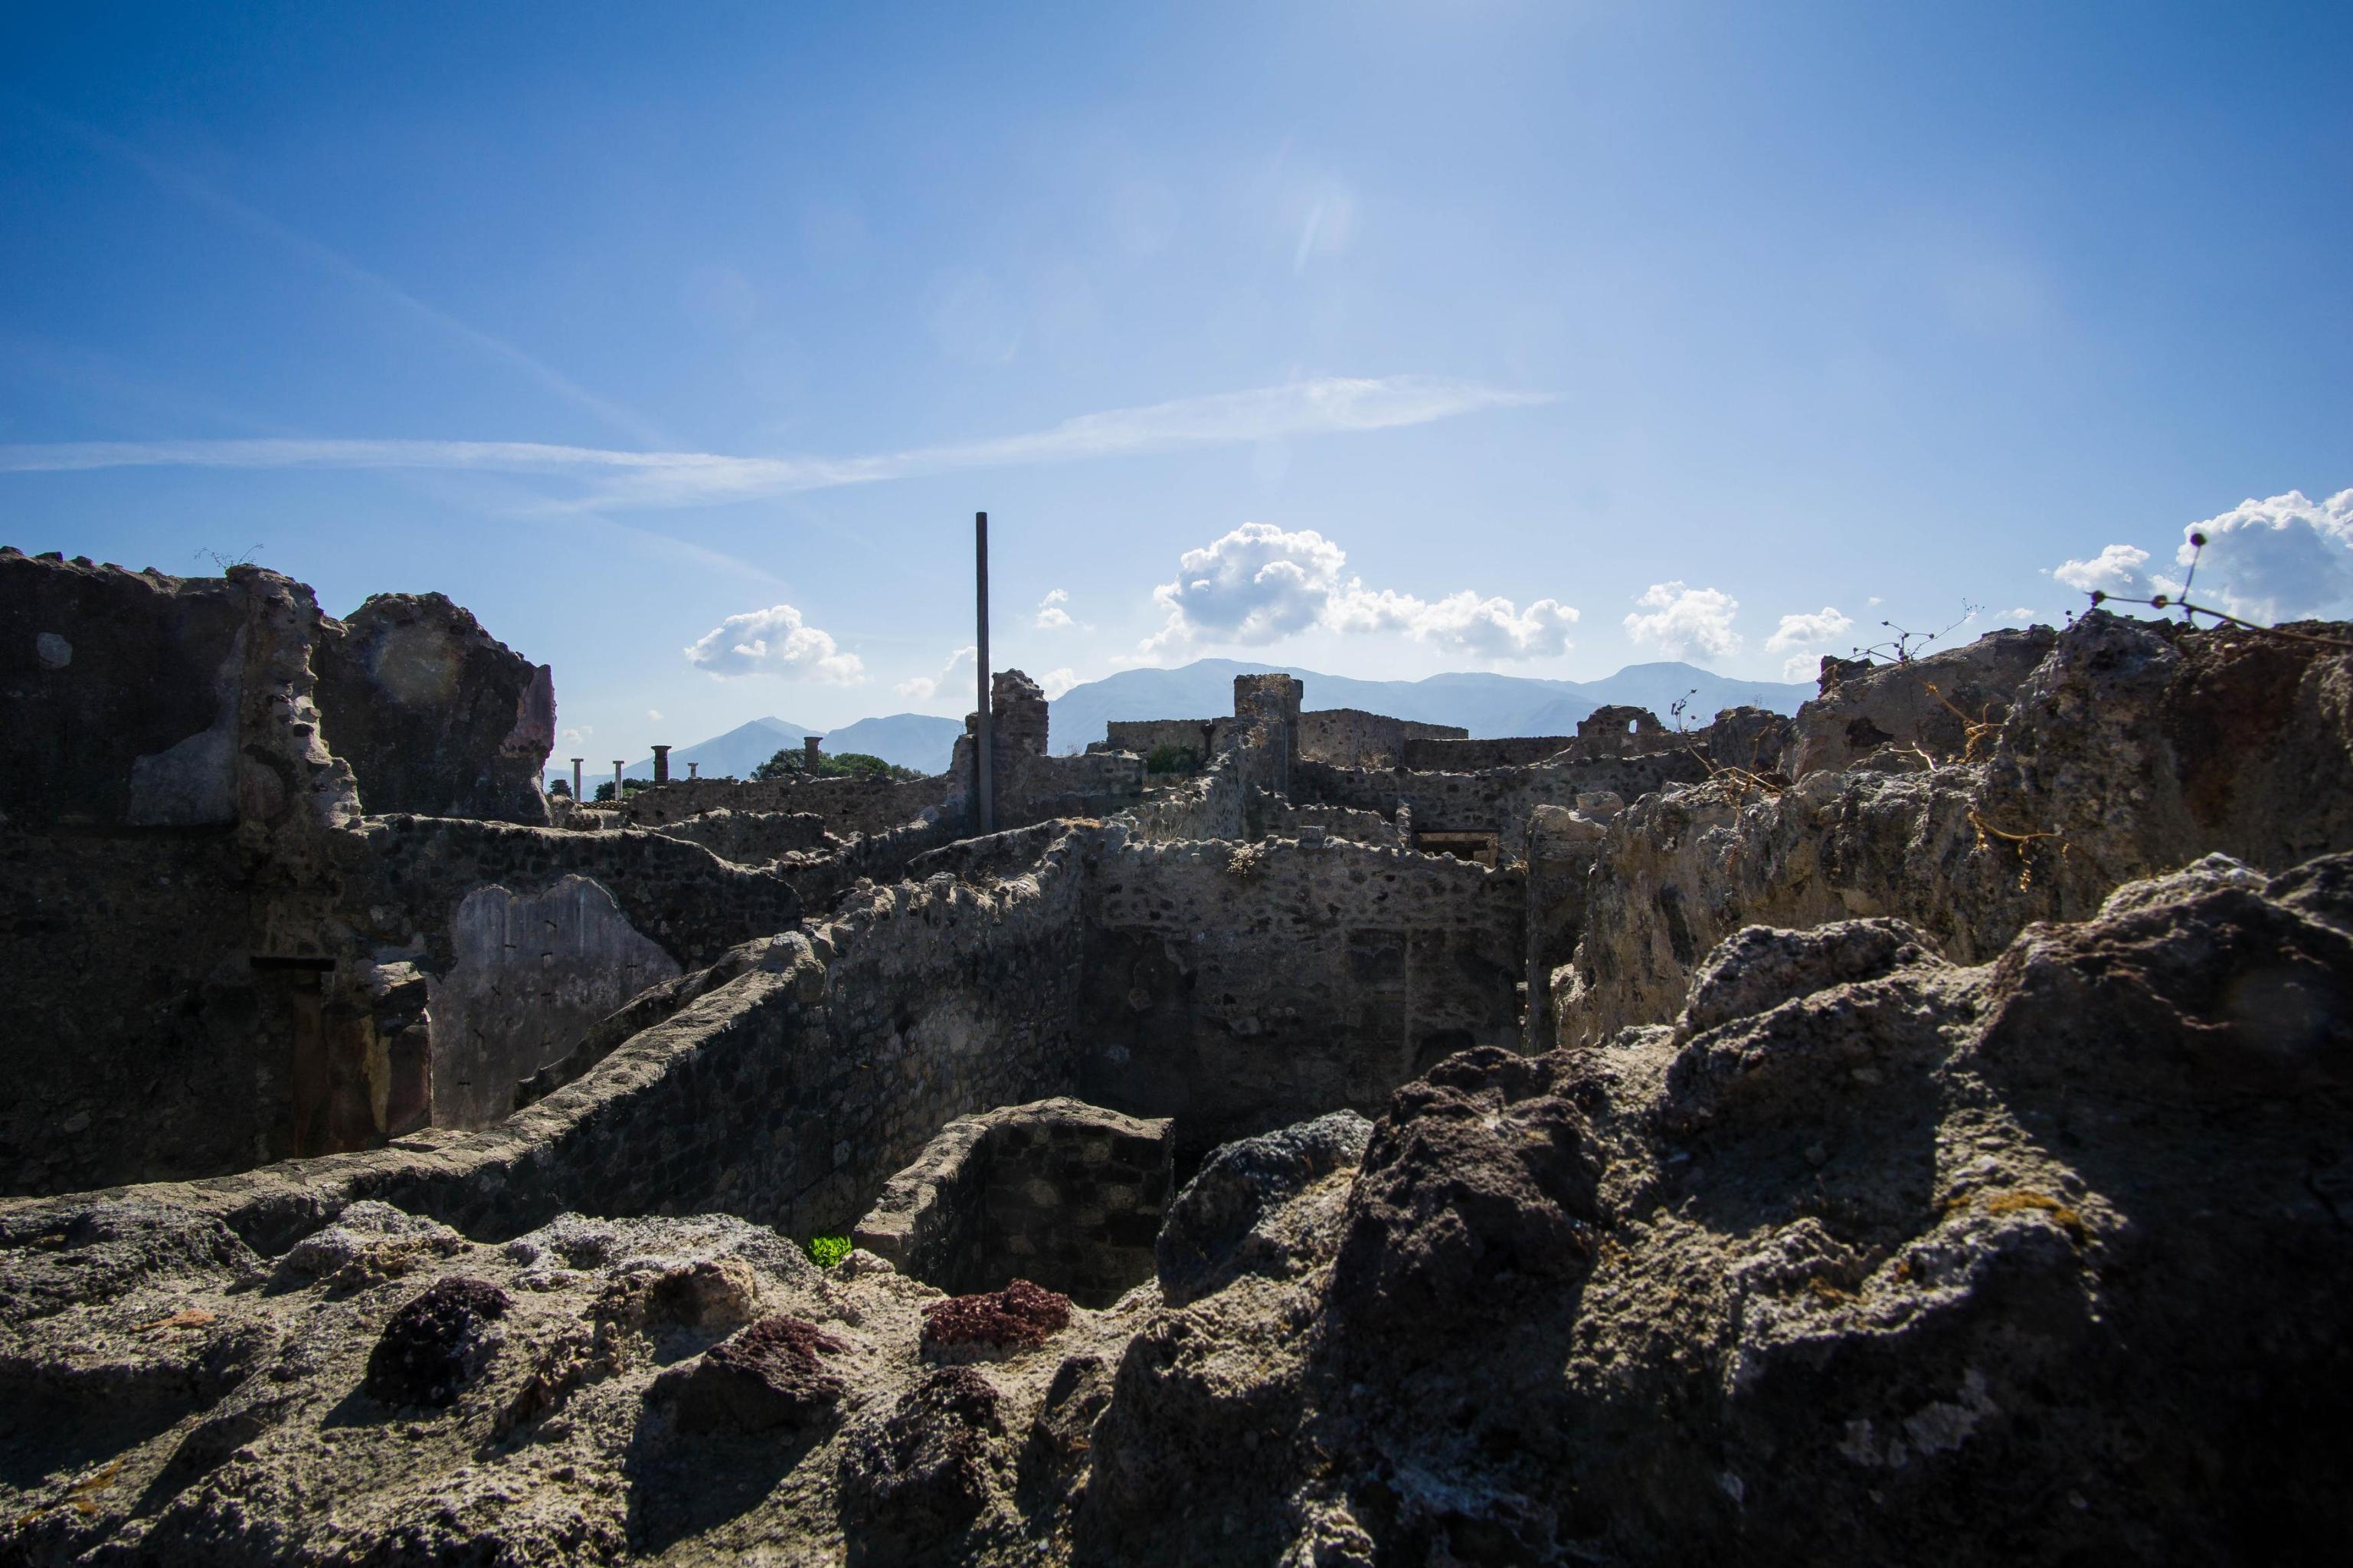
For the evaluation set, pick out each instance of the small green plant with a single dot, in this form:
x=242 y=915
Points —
x=826 y=1251
x=1172 y=759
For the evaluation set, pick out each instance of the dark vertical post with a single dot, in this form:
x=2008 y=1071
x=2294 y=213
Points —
x=983 y=752
x=577 y=795
x=661 y=764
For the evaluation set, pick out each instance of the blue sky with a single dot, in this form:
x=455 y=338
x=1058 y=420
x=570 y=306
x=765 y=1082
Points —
x=1686 y=318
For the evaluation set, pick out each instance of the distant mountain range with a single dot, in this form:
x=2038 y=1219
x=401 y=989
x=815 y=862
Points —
x=1488 y=706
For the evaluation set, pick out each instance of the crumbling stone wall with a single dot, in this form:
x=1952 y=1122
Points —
x=1500 y=800
x=866 y=805
x=138 y=700
x=136 y=1038
x=751 y=838
x=1351 y=737
x=173 y=782
x=1060 y=1192
x=1466 y=755
x=1239 y=987
x=1347 y=737
x=435 y=715
x=1144 y=736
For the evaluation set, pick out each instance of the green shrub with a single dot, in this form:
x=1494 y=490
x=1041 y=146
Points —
x=826 y=1251
x=1172 y=759
x=792 y=762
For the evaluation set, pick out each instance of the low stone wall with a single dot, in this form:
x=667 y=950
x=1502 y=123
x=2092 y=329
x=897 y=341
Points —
x=1204 y=808
x=787 y=1095
x=750 y=838
x=871 y=805
x=1283 y=820
x=1144 y=736
x=1243 y=987
x=1465 y=756
x=1039 y=787
x=1499 y=801
x=1061 y=1193
x=1351 y=737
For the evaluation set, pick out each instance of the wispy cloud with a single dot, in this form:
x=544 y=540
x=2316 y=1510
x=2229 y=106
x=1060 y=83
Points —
x=193 y=189
x=653 y=479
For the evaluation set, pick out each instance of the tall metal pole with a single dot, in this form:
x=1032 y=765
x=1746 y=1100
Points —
x=984 y=780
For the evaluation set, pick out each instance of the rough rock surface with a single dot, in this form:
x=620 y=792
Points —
x=2132 y=748
x=1219 y=1225
x=2038 y=1261
x=770 y=1374
x=1021 y=1315
x=436 y=1344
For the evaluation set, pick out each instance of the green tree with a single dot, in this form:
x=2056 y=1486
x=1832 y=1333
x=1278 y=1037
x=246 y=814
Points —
x=793 y=763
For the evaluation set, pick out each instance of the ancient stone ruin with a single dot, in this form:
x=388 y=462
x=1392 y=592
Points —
x=1914 y=1130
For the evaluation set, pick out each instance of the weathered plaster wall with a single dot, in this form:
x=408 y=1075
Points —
x=1242 y=987
x=534 y=970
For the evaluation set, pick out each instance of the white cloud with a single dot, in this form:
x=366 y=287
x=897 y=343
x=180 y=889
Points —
x=1875 y=599
x=924 y=688
x=1805 y=630
x=1686 y=621
x=2286 y=558
x=1054 y=682
x=619 y=479
x=1801 y=667
x=2116 y=569
x=2022 y=615
x=1051 y=616
x=654 y=713
x=1257 y=584
x=1260 y=584
x=580 y=735
x=1489 y=627
x=775 y=641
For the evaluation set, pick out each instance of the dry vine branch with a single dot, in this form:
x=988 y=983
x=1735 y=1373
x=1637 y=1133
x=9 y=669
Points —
x=2019 y=841
x=2189 y=611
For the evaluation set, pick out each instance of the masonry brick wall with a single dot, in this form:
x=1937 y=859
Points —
x=1239 y=988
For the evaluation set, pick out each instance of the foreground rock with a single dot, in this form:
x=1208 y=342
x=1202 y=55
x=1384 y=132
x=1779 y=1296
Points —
x=1869 y=1257
x=2040 y=1261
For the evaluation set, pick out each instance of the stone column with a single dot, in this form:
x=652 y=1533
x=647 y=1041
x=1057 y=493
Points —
x=661 y=764
x=577 y=795
x=616 y=780
x=809 y=749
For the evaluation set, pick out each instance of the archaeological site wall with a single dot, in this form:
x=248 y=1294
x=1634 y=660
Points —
x=853 y=805
x=1062 y=1193
x=1236 y=987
